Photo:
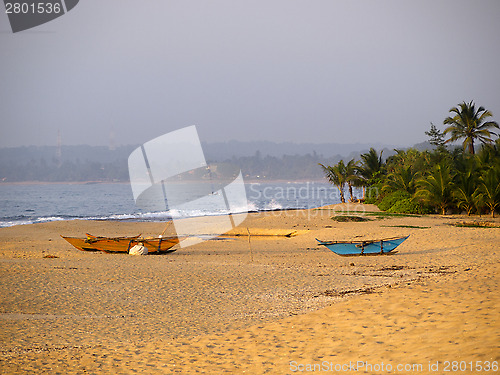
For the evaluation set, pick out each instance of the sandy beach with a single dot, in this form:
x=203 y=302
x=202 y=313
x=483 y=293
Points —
x=273 y=304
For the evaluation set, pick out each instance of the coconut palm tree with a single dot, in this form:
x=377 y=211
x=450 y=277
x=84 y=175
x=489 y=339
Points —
x=337 y=176
x=402 y=178
x=489 y=155
x=470 y=124
x=436 y=188
x=490 y=188
x=371 y=164
x=370 y=167
x=352 y=176
x=466 y=191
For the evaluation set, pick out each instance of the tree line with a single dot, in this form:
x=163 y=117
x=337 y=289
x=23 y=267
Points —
x=445 y=179
x=41 y=164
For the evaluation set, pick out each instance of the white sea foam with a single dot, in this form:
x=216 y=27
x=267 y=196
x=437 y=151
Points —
x=4 y=224
x=50 y=218
x=44 y=203
x=273 y=206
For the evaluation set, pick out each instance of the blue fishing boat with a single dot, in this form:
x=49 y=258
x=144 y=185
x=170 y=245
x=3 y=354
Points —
x=364 y=247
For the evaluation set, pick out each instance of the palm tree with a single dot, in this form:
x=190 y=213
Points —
x=469 y=124
x=371 y=167
x=436 y=188
x=402 y=178
x=352 y=176
x=371 y=164
x=490 y=188
x=466 y=191
x=489 y=155
x=337 y=176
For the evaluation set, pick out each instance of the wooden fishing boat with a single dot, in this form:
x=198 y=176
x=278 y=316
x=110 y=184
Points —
x=123 y=244
x=364 y=247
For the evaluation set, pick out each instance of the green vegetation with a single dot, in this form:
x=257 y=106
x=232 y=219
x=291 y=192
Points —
x=376 y=215
x=444 y=179
x=405 y=226
x=469 y=124
x=392 y=198
x=384 y=214
x=475 y=224
x=436 y=188
x=409 y=206
x=98 y=163
x=337 y=175
x=346 y=218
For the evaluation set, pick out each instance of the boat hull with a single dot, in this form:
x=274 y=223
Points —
x=122 y=244
x=354 y=248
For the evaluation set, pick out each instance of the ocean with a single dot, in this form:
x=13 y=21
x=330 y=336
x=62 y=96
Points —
x=36 y=203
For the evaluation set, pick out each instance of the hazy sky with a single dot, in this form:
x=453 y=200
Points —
x=280 y=70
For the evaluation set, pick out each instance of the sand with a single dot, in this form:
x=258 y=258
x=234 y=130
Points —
x=275 y=305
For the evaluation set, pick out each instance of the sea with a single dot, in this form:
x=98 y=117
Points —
x=22 y=204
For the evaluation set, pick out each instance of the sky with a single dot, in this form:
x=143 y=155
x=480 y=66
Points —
x=315 y=71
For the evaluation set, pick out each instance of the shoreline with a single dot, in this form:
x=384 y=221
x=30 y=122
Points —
x=82 y=311
x=336 y=208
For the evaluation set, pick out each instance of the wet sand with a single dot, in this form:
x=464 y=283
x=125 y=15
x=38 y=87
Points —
x=272 y=305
